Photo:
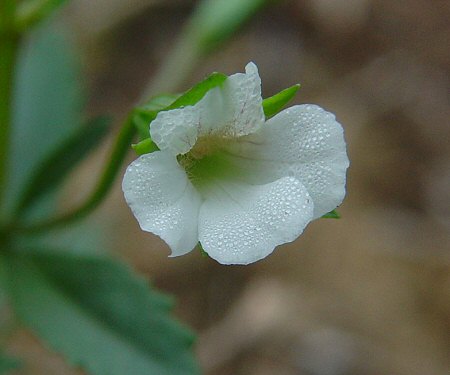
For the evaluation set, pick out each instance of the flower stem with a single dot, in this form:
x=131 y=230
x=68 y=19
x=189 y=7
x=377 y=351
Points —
x=9 y=41
x=120 y=148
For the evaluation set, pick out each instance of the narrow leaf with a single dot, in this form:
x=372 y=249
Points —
x=275 y=103
x=332 y=215
x=51 y=172
x=99 y=315
x=145 y=146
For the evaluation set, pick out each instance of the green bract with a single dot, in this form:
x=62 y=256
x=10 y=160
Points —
x=197 y=92
x=332 y=215
x=275 y=103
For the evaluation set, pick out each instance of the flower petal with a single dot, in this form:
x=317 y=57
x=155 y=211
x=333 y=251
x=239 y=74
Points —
x=176 y=130
x=241 y=223
x=163 y=200
x=305 y=142
x=233 y=109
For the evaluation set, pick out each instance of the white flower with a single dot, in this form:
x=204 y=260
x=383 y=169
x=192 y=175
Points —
x=237 y=183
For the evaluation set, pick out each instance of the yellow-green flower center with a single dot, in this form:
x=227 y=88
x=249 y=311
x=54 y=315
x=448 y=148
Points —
x=207 y=161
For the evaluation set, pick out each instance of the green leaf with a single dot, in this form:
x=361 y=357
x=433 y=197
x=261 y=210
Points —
x=145 y=146
x=275 y=103
x=332 y=215
x=8 y=363
x=214 y=21
x=47 y=104
x=99 y=315
x=51 y=172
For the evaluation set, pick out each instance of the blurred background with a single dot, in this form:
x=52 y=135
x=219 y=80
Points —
x=365 y=295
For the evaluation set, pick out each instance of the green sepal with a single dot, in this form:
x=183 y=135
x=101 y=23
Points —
x=145 y=146
x=203 y=253
x=332 y=215
x=275 y=103
x=197 y=92
x=52 y=170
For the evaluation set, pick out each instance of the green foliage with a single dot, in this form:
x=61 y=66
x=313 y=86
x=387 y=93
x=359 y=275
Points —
x=47 y=103
x=217 y=20
x=98 y=314
x=49 y=174
x=275 y=103
x=8 y=363
x=332 y=215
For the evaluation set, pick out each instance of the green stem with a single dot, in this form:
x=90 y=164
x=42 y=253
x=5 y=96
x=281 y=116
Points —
x=120 y=148
x=9 y=41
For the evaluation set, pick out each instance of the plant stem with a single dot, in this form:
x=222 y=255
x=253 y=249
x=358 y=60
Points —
x=120 y=148
x=8 y=50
